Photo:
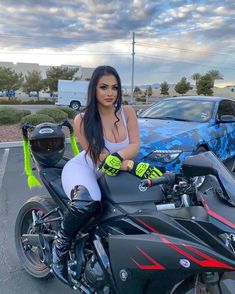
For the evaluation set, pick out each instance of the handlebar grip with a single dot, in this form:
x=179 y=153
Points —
x=167 y=178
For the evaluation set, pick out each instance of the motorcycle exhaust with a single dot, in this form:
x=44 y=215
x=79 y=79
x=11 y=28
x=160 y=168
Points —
x=45 y=242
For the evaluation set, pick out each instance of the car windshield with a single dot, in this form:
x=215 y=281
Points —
x=180 y=109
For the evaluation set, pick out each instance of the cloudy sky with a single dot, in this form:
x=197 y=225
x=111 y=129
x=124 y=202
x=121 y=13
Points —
x=172 y=38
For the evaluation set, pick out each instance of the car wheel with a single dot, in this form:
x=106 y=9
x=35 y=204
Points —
x=75 y=105
x=200 y=180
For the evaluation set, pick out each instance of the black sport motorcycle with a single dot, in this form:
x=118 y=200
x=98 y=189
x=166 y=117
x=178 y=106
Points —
x=169 y=238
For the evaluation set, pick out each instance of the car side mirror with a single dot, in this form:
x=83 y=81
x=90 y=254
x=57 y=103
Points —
x=226 y=118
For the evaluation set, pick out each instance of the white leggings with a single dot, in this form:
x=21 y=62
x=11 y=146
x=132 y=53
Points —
x=80 y=170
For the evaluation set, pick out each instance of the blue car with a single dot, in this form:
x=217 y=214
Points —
x=177 y=127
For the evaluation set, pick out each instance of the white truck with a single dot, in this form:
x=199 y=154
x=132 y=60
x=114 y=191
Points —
x=72 y=93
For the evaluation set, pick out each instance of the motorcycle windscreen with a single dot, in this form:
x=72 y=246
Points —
x=207 y=163
x=225 y=178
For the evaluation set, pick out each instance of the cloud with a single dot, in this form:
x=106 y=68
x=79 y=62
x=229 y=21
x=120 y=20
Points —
x=178 y=31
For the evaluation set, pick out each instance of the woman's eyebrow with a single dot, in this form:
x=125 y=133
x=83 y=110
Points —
x=103 y=84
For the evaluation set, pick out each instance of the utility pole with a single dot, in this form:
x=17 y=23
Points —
x=133 y=62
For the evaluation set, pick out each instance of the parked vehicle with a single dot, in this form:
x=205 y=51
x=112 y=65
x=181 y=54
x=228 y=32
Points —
x=169 y=239
x=177 y=127
x=72 y=93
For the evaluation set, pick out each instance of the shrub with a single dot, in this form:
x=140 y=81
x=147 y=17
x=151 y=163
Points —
x=56 y=114
x=71 y=112
x=9 y=115
x=44 y=101
x=140 y=99
x=12 y=101
x=24 y=112
x=35 y=119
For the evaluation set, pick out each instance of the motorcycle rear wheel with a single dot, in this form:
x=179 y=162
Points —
x=29 y=255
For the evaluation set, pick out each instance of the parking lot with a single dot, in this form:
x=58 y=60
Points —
x=13 y=193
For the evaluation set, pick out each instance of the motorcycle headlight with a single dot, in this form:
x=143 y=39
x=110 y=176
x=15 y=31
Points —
x=164 y=155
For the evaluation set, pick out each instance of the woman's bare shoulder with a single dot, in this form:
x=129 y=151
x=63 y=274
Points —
x=78 y=118
x=129 y=110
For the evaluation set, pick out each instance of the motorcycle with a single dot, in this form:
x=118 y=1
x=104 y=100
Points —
x=153 y=236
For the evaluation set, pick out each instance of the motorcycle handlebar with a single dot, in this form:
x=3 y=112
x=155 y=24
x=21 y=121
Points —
x=167 y=178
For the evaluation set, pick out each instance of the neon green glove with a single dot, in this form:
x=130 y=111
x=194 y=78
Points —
x=112 y=164
x=143 y=170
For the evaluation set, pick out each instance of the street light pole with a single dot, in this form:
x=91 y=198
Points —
x=133 y=61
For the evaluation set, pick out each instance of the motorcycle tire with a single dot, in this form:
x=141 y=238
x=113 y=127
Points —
x=29 y=255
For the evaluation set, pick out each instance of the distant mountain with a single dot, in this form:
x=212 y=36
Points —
x=144 y=86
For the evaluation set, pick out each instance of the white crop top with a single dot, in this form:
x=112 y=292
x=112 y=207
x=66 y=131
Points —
x=114 y=147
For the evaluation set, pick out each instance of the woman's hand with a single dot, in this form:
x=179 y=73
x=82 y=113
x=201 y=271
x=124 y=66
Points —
x=112 y=164
x=143 y=170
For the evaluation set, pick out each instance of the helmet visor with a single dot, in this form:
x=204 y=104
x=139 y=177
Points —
x=47 y=145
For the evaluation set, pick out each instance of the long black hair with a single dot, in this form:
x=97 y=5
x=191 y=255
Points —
x=92 y=124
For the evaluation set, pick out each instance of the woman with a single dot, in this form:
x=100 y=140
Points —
x=109 y=135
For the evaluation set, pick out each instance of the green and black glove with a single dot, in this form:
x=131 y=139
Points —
x=112 y=164
x=143 y=170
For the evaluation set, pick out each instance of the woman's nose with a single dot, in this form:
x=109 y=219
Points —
x=110 y=91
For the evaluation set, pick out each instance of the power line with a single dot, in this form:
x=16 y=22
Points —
x=70 y=53
x=71 y=37
x=179 y=49
x=181 y=61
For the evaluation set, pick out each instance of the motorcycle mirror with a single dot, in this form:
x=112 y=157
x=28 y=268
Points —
x=199 y=165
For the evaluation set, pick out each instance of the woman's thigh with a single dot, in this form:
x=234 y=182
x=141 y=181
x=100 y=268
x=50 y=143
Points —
x=76 y=173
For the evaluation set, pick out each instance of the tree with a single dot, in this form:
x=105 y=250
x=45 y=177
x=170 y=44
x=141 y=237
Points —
x=183 y=86
x=33 y=82
x=149 y=91
x=56 y=73
x=196 y=77
x=205 y=85
x=215 y=75
x=10 y=80
x=137 y=92
x=164 y=88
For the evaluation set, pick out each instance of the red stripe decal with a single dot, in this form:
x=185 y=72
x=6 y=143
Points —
x=146 y=225
x=217 y=216
x=154 y=266
x=207 y=262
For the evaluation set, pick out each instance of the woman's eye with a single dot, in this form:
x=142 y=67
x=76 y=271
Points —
x=103 y=87
x=115 y=88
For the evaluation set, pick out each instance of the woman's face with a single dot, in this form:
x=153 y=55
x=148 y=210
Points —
x=107 y=90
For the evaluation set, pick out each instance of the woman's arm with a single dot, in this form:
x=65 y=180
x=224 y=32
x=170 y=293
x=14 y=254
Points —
x=130 y=151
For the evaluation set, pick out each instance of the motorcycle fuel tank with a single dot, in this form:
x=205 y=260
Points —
x=126 y=188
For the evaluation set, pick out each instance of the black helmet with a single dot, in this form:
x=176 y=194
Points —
x=47 y=143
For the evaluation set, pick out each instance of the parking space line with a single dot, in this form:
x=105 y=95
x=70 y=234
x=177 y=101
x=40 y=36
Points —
x=3 y=164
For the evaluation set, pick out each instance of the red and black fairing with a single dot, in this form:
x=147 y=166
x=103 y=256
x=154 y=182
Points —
x=171 y=248
x=220 y=212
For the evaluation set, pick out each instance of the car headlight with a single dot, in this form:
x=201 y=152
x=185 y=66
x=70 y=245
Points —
x=164 y=155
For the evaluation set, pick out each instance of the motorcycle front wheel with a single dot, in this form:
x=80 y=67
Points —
x=30 y=255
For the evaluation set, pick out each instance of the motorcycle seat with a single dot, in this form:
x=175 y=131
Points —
x=56 y=185
x=51 y=176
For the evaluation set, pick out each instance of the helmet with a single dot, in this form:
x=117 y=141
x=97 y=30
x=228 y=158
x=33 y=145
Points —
x=47 y=143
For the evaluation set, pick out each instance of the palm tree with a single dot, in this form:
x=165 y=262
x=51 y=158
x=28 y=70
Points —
x=196 y=77
x=215 y=75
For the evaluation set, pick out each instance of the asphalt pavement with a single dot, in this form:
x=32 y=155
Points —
x=13 y=193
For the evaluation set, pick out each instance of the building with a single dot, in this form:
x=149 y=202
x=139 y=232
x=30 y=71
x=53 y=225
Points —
x=84 y=73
